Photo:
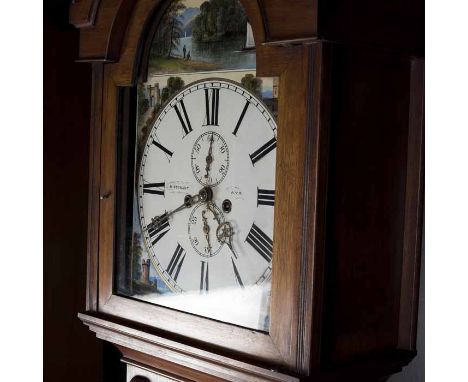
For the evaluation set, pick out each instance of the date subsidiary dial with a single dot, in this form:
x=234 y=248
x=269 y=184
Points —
x=210 y=159
x=203 y=223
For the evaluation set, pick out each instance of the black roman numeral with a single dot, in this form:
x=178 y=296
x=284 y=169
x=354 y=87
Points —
x=247 y=103
x=264 y=150
x=176 y=262
x=212 y=107
x=183 y=117
x=158 y=228
x=160 y=146
x=265 y=197
x=154 y=188
x=204 y=276
x=236 y=273
x=260 y=242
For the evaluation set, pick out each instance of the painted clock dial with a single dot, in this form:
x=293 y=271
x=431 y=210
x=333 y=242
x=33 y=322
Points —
x=206 y=188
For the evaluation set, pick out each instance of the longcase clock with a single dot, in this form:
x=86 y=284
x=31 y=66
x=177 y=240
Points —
x=214 y=218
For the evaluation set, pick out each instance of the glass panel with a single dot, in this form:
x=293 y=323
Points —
x=197 y=231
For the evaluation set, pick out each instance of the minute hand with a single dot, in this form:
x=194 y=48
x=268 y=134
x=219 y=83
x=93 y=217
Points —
x=205 y=194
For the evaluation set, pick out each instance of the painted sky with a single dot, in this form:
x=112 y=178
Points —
x=193 y=3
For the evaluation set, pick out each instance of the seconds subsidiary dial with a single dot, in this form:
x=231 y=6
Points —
x=207 y=170
x=206 y=189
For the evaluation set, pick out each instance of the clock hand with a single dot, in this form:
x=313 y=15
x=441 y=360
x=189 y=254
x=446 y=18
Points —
x=204 y=195
x=224 y=234
x=215 y=213
x=209 y=158
x=206 y=230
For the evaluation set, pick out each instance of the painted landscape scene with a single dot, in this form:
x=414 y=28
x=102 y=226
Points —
x=199 y=35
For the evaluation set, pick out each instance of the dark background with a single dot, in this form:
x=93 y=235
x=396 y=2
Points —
x=71 y=351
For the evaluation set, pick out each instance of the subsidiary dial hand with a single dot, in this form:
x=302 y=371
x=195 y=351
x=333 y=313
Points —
x=210 y=205
x=204 y=195
x=209 y=159
x=206 y=230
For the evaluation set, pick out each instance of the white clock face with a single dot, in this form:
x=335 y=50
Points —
x=217 y=137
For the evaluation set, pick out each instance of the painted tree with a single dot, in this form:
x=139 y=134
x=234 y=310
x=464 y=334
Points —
x=252 y=83
x=174 y=85
x=143 y=103
x=169 y=31
x=219 y=19
x=175 y=8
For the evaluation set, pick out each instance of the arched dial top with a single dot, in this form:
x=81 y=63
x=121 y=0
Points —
x=216 y=137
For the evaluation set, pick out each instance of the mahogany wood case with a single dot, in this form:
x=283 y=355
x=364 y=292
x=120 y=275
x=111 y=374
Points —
x=348 y=212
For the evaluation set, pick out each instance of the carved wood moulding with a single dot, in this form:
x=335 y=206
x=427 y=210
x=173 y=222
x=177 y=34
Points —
x=171 y=356
x=103 y=23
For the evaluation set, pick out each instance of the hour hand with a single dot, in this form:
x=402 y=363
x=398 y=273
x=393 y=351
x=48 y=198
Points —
x=209 y=158
x=224 y=234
